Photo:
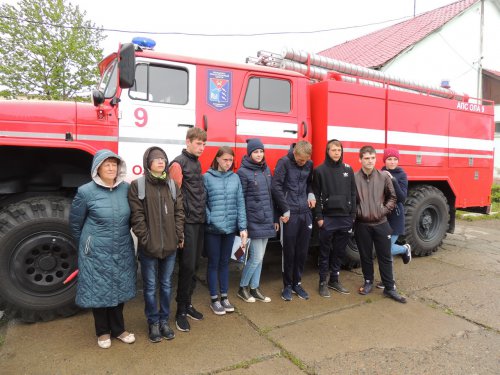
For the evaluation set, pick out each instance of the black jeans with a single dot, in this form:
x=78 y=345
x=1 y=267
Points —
x=189 y=259
x=109 y=320
x=379 y=235
x=332 y=244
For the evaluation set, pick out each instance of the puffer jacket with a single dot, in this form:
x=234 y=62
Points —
x=256 y=183
x=157 y=220
x=375 y=197
x=292 y=185
x=397 y=216
x=225 y=203
x=99 y=220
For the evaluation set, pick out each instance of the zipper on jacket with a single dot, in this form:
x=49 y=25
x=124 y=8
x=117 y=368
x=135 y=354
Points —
x=160 y=201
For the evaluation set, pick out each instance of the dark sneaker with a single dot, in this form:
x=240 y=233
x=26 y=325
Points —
x=228 y=307
x=245 y=295
x=286 y=294
x=366 y=288
x=182 y=323
x=217 y=308
x=298 y=290
x=338 y=287
x=258 y=296
x=407 y=256
x=394 y=295
x=193 y=313
x=323 y=289
x=166 y=331
x=154 y=332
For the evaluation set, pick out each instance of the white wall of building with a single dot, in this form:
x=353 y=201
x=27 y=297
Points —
x=453 y=53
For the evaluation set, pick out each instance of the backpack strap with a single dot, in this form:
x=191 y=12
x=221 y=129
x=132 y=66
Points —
x=173 y=190
x=141 y=188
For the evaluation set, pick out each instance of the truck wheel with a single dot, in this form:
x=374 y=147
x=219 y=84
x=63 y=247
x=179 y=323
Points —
x=351 y=259
x=37 y=253
x=426 y=219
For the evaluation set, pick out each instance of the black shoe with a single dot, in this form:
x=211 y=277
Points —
x=182 y=323
x=406 y=256
x=245 y=295
x=193 y=313
x=166 y=331
x=394 y=295
x=154 y=332
x=323 y=289
x=257 y=294
x=366 y=288
x=338 y=287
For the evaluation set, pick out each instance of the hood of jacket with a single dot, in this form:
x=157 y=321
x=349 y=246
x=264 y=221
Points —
x=329 y=160
x=99 y=158
x=145 y=164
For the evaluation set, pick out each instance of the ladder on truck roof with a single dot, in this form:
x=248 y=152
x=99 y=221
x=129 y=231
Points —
x=320 y=68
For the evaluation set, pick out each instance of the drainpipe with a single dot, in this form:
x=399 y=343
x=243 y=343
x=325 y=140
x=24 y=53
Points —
x=480 y=62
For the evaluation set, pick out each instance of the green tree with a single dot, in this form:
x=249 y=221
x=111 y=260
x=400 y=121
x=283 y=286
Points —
x=47 y=50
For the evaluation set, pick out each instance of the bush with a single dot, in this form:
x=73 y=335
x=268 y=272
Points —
x=495 y=194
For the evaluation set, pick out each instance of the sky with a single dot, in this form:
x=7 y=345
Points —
x=281 y=20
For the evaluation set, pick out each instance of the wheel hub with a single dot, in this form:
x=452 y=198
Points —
x=41 y=262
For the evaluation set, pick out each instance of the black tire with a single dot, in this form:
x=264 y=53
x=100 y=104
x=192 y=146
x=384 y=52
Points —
x=37 y=253
x=427 y=217
x=351 y=259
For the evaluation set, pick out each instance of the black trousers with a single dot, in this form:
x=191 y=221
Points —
x=332 y=244
x=296 y=237
x=379 y=235
x=189 y=259
x=109 y=320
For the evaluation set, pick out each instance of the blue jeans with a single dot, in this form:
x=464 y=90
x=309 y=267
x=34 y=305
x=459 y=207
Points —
x=218 y=248
x=156 y=271
x=253 y=268
x=396 y=249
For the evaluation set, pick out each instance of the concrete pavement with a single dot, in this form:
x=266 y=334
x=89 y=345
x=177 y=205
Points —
x=450 y=325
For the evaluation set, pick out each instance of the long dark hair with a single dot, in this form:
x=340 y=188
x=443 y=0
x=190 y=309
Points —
x=223 y=150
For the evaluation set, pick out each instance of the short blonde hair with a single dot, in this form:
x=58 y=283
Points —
x=303 y=148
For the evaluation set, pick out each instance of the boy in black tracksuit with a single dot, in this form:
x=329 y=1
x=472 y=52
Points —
x=335 y=189
x=292 y=193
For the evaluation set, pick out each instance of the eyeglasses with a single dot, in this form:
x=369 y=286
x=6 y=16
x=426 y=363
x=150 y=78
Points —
x=158 y=160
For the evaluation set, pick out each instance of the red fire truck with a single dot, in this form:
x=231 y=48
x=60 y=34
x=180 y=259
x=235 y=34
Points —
x=149 y=98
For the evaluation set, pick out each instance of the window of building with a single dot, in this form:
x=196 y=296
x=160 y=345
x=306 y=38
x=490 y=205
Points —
x=268 y=94
x=160 y=84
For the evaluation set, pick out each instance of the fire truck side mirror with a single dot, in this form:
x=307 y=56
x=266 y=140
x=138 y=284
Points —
x=97 y=97
x=127 y=65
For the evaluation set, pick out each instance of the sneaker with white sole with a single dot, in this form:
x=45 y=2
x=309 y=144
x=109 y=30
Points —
x=227 y=305
x=258 y=296
x=298 y=290
x=406 y=256
x=217 y=308
x=245 y=295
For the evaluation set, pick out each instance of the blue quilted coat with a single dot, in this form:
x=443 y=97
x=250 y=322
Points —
x=225 y=203
x=99 y=220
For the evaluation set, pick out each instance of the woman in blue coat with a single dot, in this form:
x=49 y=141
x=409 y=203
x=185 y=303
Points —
x=397 y=217
x=255 y=178
x=100 y=223
x=225 y=214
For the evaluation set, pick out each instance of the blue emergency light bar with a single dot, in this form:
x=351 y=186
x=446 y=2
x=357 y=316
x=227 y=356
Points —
x=143 y=42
